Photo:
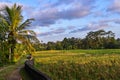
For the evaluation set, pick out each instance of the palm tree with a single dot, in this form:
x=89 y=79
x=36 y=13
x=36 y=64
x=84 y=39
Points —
x=12 y=19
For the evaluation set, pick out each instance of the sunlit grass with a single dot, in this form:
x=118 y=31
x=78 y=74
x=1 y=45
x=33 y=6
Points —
x=80 y=64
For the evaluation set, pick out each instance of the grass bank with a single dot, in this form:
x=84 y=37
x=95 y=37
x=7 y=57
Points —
x=6 y=70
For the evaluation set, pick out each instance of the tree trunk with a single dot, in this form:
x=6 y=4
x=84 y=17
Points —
x=9 y=54
x=11 y=43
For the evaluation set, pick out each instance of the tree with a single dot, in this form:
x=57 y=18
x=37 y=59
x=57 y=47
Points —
x=50 y=46
x=66 y=44
x=100 y=39
x=58 y=45
x=94 y=40
x=12 y=20
x=109 y=41
x=118 y=43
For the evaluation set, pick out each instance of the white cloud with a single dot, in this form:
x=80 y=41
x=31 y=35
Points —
x=115 y=6
x=3 y=4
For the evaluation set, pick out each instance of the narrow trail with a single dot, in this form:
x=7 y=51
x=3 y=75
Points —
x=15 y=75
x=1 y=69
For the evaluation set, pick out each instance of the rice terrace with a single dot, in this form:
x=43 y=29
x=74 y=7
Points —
x=59 y=40
x=80 y=64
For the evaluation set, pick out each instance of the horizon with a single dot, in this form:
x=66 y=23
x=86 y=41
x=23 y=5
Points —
x=57 y=19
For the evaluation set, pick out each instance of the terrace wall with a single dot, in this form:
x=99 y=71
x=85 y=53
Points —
x=34 y=73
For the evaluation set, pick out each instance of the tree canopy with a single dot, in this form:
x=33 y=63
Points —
x=13 y=28
x=100 y=39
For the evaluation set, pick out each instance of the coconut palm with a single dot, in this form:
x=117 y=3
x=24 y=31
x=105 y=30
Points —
x=12 y=19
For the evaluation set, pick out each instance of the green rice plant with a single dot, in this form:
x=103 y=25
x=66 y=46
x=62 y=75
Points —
x=80 y=64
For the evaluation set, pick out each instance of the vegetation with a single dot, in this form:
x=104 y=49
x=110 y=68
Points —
x=100 y=60
x=8 y=69
x=94 y=40
x=80 y=64
x=13 y=30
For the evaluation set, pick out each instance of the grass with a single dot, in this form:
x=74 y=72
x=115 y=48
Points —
x=73 y=65
x=6 y=70
x=97 y=51
x=80 y=64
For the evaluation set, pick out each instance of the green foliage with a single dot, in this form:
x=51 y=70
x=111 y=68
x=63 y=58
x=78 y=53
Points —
x=12 y=31
x=80 y=64
x=4 y=53
x=19 y=51
x=93 y=40
x=50 y=46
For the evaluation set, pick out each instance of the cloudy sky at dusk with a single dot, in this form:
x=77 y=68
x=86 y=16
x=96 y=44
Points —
x=56 y=19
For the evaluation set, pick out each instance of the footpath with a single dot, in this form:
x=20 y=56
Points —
x=15 y=75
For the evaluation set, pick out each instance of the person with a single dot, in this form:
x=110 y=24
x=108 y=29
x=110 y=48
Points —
x=30 y=59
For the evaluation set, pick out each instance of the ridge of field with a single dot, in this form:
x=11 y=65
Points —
x=80 y=64
x=7 y=70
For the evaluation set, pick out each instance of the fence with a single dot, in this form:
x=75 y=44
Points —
x=34 y=73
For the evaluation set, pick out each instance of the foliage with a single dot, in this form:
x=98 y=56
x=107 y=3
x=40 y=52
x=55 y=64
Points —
x=8 y=69
x=93 y=40
x=13 y=30
x=80 y=64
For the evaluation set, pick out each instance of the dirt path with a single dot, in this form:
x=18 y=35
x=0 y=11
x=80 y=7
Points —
x=15 y=75
x=5 y=67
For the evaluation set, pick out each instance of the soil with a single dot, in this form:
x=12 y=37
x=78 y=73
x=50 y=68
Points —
x=15 y=75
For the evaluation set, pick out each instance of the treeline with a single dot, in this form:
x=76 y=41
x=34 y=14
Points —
x=93 y=40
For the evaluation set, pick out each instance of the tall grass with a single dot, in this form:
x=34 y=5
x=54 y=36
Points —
x=80 y=64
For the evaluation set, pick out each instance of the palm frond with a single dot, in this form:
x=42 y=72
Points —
x=31 y=38
x=27 y=32
x=13 y=16
x=11 y=23
x=4 y=19
x=8 y=15
x=25 y=24
x=29 y=35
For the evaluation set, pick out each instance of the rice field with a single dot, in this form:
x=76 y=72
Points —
x=80 y=64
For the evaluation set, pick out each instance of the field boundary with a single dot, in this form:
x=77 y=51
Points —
x=34 y=73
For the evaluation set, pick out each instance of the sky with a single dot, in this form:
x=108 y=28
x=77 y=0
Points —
x=57 y=19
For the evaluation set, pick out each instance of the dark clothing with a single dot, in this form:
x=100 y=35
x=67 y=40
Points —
x=30 y=61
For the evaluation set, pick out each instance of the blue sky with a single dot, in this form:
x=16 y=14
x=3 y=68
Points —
x=56 y=19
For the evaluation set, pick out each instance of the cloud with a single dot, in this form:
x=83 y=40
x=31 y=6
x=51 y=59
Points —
x=100 y=13
x=117 y=21
x=63 y=9
x=71 y=27
x=74 y=13
x=45 y=17
x=91 y=26
x=97 y=25
x=60 y=30
x=3 y=4
x=27 y=10
x=101 y=24
x=84 y=2
x=51 y=15
x=53 y=32
x=115 y=6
